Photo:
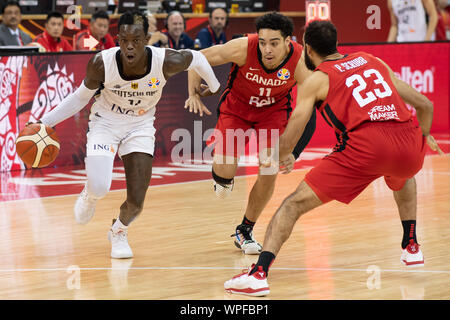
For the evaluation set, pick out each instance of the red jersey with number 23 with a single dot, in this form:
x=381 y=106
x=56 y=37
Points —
x=360 y=90
x=255 y=85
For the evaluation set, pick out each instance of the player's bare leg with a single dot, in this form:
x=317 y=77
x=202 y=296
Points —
x=223 y=171
x=278 y=231
x=259 y=196
x=138 y=171
x=280 y=227
x=406 y=200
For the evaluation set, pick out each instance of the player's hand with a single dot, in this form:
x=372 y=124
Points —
x=204 y=91
x=433 y=144
x=195 y=104
x=287 y=164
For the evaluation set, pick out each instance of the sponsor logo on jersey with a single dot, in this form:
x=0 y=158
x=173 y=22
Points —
x=134 y=85
x=283 y=74
x=266 y=82
x=128 y=112
x=153 y=83
x=383 y=113
x=104 y=147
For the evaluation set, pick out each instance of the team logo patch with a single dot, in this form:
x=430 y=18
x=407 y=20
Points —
x=134 y=85
x=153 y=83
x=283 y=74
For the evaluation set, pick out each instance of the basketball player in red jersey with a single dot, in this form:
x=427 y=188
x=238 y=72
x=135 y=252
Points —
x=265 y=69
x=361 y=98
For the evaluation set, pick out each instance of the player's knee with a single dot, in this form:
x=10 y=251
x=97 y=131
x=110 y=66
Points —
x=222 y=186
x=98 y=188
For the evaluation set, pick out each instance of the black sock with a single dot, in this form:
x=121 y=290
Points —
x=220 y=180
x=247 y=222
x=409 y=232
x=265 y=261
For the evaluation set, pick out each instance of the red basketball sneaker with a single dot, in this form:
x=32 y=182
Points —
x=251 y=285
x=412 y=256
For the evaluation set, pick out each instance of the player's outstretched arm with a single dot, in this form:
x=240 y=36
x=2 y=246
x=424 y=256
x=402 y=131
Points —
x=234 y=51
x=176 y=61
x=74 y=102
x=313 y=89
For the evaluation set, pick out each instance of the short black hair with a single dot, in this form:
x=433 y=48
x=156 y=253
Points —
x=133 y=17
x=321 y=35
x=100 y=15
x=54 y=14
x=276 y=21
x=11 y=3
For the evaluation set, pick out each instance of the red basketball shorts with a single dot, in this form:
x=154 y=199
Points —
x=391 y=150
x=238 y=121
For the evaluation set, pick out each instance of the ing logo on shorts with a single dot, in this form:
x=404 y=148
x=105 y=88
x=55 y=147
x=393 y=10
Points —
x=153 y=83
x=283 y=74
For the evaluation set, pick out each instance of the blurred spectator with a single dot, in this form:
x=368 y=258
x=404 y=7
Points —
x=443 y=26
x=177 y=38
x=408 y=20
x=214 y=33
x=51 y=38
x=98 y=28
x=155 y=36
x=10 y=34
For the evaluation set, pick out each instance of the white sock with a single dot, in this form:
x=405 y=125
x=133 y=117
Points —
x=118 y=225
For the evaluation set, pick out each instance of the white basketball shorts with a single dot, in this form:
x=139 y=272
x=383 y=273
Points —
x=110 y=134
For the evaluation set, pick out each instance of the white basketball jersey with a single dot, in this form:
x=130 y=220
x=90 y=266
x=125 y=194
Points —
x=130 y=98
x=412 y=25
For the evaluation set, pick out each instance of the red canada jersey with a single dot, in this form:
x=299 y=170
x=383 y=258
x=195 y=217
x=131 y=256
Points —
x=255 y=85
x=360 y=90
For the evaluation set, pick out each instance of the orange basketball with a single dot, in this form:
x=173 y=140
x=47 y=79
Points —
x=37 y=145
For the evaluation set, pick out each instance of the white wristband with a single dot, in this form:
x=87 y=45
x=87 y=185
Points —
x=201 y=65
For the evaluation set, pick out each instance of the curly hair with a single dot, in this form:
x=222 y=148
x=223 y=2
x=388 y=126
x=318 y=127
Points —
x=276 y=21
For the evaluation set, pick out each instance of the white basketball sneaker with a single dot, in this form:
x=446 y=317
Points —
x=412 y=255
x=244 y=240
x=249 y=284
x=120 y=249
x=223 y=190
x=84 y=208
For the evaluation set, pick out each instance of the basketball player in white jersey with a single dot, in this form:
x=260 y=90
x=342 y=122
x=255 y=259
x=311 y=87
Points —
x=408 y=20
x=127 y=82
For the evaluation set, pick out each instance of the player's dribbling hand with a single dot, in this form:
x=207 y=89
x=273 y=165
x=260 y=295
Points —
x=433 y=144
x=287 y=164
x=195 y=104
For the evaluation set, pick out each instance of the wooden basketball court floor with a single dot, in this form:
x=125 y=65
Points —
x=183 y=249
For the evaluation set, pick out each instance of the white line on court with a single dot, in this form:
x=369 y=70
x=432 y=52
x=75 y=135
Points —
x=225 y=268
